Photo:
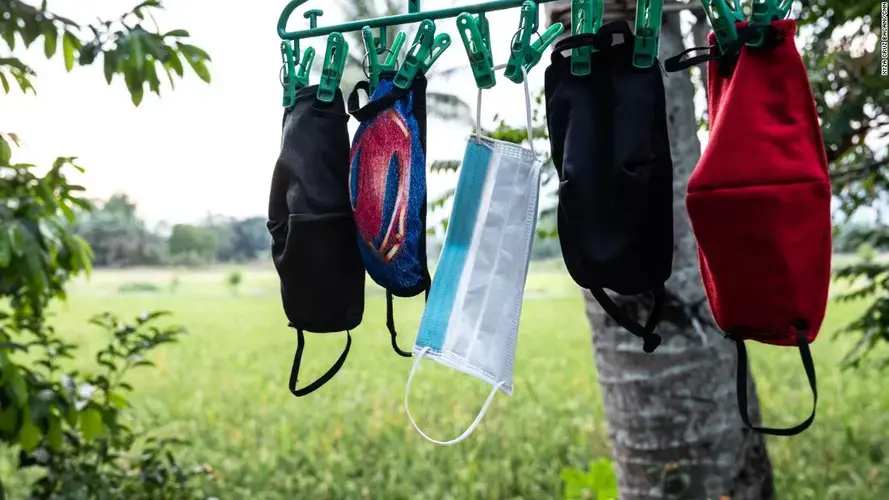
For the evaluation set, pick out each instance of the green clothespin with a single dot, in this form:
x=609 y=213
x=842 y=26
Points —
x=648 y=31
x=288 y=74
x=417 y=55
x=723 y=18
x=586 y=18
x=305 y=67
x=376 y=46
x=763 y=13
x=523 y=52
x=441 y=44
x=334 y=65
x=477 y=42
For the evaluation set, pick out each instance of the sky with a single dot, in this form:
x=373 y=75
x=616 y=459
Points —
x=210 y=148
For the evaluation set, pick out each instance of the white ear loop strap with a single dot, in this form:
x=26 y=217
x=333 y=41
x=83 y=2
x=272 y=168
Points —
x=478 y=109
x=472 y=426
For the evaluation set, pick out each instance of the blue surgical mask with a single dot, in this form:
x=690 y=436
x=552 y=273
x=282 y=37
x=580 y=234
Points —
x=471 y=319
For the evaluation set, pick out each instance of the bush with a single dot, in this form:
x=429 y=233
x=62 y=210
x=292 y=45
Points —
x=77 y=429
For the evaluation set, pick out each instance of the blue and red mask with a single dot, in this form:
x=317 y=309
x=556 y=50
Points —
x=387 y=186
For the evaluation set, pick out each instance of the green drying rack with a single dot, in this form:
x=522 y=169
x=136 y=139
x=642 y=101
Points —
x=414 y=15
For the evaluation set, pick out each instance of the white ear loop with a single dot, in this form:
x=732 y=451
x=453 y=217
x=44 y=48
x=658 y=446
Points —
x=472 y=426
x=478 y=110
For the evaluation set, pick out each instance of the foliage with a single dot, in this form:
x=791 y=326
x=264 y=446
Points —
x=842 y=57
x=75 y=428
x=188 y=239
x=118 y=237
x=127 y=46
x=597 y=483
x=234 y=280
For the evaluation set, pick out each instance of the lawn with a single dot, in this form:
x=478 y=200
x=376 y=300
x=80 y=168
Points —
x=225 y=389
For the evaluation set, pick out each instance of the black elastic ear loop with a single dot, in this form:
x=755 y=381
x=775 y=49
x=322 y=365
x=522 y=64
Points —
x=323 y=379
x=390 y=324
x=676 y=63
x=650 y=339
x=805 y=354
x=375 y=107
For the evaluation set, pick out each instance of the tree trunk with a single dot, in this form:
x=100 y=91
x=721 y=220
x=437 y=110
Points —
x=672 y=415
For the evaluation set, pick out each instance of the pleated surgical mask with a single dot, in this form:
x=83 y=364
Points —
x=471 y=319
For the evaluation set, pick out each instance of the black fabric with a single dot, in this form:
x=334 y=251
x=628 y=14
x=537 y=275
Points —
x=808 y=366
x=608 y=132
x=310 y=220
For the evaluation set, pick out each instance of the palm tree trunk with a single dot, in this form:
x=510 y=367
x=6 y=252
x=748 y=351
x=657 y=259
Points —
x=672 y=415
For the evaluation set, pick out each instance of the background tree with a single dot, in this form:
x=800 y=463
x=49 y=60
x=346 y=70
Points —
x=677 y=405
x=118 y=237
x=187 y=239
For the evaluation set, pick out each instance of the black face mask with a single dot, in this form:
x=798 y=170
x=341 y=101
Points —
x=389 y=149
x=313 y=232
x=608 y=132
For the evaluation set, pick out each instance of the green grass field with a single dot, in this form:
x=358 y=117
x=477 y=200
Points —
x=225 y=389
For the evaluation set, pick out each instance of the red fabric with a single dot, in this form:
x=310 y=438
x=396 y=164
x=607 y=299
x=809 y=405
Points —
x=759 y=199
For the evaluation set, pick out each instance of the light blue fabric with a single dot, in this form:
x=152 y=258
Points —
x=458 y=239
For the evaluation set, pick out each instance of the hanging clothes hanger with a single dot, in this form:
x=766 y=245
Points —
x=523 y=53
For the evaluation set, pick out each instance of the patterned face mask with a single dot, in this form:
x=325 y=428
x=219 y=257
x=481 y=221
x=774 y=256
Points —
x=387 y=187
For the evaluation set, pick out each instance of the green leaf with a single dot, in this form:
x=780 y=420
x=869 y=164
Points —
x=5 y=152
x=117 y=400
x=54 y=433
x=50 y=40
x=9 y=32
x=5 y=249
x=9 y=419
x=110 y=65
x=192 y=52
x=5 y=83
x=137 y=55
x=151 y=76
x=91 y=422
x=16 y=239
x=29 y=436
x=177 y=33
x=69 y=45
x=174 y=63
x=195 y=58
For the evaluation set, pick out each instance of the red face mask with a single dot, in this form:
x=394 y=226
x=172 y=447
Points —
x=759 y=203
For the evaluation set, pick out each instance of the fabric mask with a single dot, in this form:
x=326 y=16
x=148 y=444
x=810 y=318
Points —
x=313 y=233
x=472 y=316
x=387 y=186
x=608 y=132
x=759 y=202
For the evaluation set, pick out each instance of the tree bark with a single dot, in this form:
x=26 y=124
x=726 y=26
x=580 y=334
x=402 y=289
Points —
x=672 y=415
